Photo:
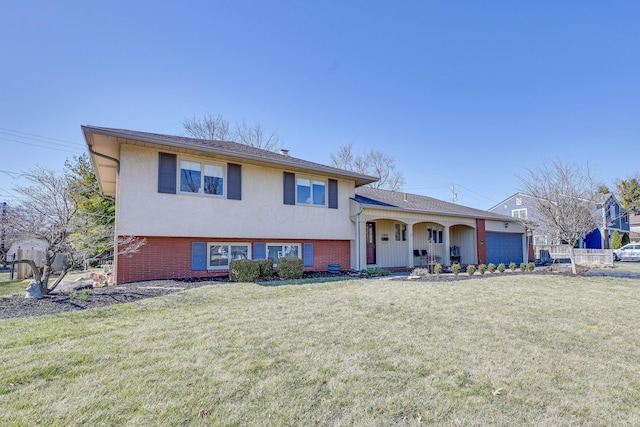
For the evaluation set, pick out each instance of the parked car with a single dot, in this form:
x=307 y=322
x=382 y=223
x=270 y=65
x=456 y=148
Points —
x=630 y=252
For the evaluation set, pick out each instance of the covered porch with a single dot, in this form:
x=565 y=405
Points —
x=409 y=240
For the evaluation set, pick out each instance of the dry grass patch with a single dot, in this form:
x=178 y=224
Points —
x=508 y=350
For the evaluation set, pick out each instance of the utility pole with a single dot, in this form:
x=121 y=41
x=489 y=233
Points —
x=454 y=195
x=3 y=215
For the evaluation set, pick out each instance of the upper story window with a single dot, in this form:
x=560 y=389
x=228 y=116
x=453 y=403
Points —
x=518 y=201
x=626 y=218
x=201 y=178
x=310 y=191
x=519 y=213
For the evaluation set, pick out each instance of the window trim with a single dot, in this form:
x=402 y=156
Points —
x=311 y=180
x=202 y=163
x=248 y=245
x=275 y=264
x=526 y=213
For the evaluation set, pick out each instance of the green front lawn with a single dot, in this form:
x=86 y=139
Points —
x=506 y=350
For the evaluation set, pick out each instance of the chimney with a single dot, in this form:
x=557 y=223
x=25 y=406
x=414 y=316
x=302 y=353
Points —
x=405 y=197
x=284 y=151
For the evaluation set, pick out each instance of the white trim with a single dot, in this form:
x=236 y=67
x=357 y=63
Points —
x=248 y=245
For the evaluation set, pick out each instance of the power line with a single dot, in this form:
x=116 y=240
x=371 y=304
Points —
x=79 y=150
x=38 y=136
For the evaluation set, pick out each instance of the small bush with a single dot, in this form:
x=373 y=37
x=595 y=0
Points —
x=266 y=267
x=244 y=270
x=512 y=266
x=531 y=266
x=437 y=268
x=420 y=272
x=455 y=269
x=501 y=267
x=523 y=266
x=73 y=296
x=471 y=269
x=374 y=271
x=491 y=267
x=482 y=268
x=290 y=267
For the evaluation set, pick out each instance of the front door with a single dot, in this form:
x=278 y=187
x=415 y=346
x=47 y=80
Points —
x=371 y=242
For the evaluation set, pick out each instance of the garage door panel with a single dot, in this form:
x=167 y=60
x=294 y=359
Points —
x=504 y=248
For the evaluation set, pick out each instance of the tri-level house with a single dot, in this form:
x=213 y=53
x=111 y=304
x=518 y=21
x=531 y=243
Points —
x=610 y=217
x=200 y=204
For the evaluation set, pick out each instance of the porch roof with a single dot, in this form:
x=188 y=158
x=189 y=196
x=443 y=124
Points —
x=395 y=200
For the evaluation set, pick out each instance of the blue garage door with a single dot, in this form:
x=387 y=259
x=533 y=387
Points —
x=504 y=248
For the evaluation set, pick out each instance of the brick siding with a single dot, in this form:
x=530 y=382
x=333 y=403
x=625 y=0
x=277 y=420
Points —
x=170 y=258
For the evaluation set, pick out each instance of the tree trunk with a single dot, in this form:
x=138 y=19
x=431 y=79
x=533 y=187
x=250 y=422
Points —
x=573 y=260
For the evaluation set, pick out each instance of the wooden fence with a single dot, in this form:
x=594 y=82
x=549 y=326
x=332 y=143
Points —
x=581 y=256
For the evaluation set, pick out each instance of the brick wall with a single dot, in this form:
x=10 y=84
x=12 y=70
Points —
x=481 y=241
x=170 y=258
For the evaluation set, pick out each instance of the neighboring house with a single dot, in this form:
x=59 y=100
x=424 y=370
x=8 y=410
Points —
x=33 y=249
x=610 y=214
x=200 y=204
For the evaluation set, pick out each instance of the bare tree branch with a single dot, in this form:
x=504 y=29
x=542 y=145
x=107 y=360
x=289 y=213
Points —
x=565 y=197
x=374 y=163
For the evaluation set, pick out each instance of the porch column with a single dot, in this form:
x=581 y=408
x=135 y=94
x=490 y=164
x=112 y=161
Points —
x=362 y=229
x=410 y=245
x=446 y=260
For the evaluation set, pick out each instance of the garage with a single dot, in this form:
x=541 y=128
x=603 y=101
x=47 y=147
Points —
x=504 y=248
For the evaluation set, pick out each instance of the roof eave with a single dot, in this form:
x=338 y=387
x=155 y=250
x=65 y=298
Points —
x=359 y=179
x=424 y=212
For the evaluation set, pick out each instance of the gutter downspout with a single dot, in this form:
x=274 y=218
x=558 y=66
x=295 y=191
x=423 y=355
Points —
x=358 y=239
x=104 y=156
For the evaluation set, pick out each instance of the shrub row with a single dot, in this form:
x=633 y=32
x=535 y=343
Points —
x=250 y=270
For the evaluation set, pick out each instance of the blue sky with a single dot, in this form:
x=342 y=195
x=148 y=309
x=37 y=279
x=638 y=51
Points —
x=470 y=93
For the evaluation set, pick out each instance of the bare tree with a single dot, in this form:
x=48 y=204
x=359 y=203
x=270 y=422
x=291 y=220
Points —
x=374 y=163
x=565 y=198
x=45 y=212
x=49 y=210
x=217 y=128
x=208 y=127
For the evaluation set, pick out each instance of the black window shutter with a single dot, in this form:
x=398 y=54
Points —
x=308 y=254
x=259 y=250
x=333 y=194
x=234 y=181
x=167 y=164
x=198 y=256
x=289 y=188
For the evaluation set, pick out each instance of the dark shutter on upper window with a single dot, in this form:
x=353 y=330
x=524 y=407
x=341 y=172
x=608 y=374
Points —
x=289 y=185
x=259 y=250
x=333 y=194
x=167 y=164
x=307 y=254
x=198 y=256
x=234 y=181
